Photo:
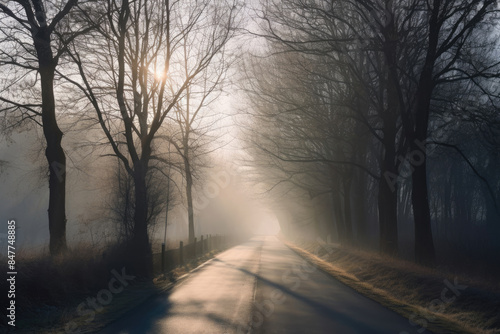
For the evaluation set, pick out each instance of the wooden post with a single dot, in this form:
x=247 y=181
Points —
x=202 y=252
x=181 y=253
x=162 y=257
x=194 y=248
x=209 y=242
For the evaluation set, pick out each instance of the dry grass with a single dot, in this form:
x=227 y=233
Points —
x=46 y=286
x=50 y=289
x=411 y=290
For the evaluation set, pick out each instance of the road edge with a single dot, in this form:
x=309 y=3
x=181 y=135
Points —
x=442 y=324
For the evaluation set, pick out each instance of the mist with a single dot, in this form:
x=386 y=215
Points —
x=250 y=166
x=223 y=203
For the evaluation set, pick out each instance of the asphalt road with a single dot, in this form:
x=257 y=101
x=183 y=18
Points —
x=260 y=286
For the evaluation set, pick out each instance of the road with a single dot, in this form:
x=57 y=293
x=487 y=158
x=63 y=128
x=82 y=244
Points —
x=260 y=286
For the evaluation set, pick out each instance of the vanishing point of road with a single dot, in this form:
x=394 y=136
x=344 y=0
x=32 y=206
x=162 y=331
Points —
x=260 y=286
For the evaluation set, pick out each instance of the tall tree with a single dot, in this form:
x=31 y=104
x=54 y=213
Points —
x=33 y=41
x=448 y=26
x=191 y=138
x=358 y=47
x=399 y=54
x=134 y=73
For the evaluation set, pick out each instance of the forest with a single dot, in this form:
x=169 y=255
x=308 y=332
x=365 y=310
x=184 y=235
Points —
x=381 y=118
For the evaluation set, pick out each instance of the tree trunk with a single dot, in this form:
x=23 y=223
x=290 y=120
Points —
x=417 y=135
x=360 y=207
x=388 y=184
x=492 y=212
x=424 y=244
x=387 y=215
x=347 y=209
x=189 y=195
x=447 y=200
x=387 y=193
x=140 y=249
x=337 y=216
x=54 y=152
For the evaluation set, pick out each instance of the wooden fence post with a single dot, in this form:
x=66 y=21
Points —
x=181 y=253
x=162 y=257
x=194 y=248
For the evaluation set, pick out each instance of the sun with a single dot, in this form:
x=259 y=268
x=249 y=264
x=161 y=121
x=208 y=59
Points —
x=158 y=73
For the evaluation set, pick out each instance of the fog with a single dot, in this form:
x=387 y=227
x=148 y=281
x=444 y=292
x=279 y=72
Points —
x=154 y=135
x=224 y=202
x=255 y=119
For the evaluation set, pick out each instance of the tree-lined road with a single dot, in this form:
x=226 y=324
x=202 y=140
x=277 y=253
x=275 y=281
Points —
x=260 y=286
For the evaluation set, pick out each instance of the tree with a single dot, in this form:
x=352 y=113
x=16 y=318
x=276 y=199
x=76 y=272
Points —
x=354 y=50
x=34 y=42
x=193 y=126
x=122 y=204
x=447 y=28
x=300 y=136
x=134 y=73
x=389 y=63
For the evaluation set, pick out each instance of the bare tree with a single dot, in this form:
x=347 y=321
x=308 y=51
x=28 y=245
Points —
x=122 y=203
x=134 y=73
x=448 y=26
x=388 y=62
x=296 y=109
x=192 y=139
x=358 y=89
x=34 y=42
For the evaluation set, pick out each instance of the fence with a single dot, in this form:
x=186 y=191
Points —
x=172 y=258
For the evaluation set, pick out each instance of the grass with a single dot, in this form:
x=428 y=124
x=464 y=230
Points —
x=132 y=297
x=417 y=293
x=46 y=286
x=49 y=290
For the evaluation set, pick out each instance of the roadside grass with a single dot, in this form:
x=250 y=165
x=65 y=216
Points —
x=46 y=285
x=49 y=290
x=132 y=297
x=421 y=294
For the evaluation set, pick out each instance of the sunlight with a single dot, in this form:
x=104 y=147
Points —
x=159 y=74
